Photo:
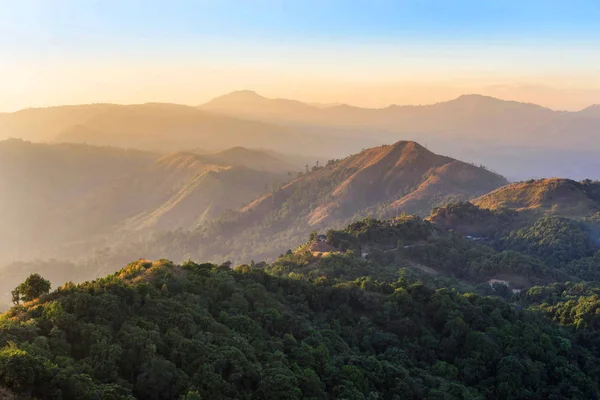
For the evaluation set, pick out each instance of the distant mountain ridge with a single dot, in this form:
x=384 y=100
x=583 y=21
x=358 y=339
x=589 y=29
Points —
x=497 y=133
x=520 y=140
x=57 y=195
x=466 y=114
x=162 y=127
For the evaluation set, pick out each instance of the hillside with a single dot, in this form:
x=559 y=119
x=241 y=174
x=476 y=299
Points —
x=562 y=197
x=200 y=194
x=388 y=250
x=261 y=160
x=37 y=180
x=42 y=124
x=468 y=219
x=591 y=111
x=179 y=190
x=520 y=205
x=61 y=200
x=405 y=176
x=157 y=330
x=384 y=181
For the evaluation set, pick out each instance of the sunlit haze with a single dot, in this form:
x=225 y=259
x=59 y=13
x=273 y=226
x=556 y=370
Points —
x=366 y=53
x=299 y=199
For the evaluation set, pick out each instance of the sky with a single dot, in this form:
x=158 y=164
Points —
x=367 y=53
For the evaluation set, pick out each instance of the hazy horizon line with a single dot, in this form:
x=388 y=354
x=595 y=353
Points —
x=310 y=103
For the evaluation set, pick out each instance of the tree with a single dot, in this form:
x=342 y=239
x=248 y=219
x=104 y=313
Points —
x=33 y=287
x=15 y=296
x=21 y=371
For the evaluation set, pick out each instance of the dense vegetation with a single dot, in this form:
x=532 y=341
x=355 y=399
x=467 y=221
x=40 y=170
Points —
x=378 y=249
x=554 y=240
x=162 y=331
x=403 y=308
x=469 y=220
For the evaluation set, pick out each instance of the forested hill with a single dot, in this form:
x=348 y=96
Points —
x=156 y=330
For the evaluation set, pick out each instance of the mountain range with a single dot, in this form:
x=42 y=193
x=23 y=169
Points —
x=56 y=195
x=160 y=127
x=473 y=117
x=519 y=140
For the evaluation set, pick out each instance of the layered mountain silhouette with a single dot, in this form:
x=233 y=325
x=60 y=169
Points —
x=179 y=190
x=66 y=198
x=55 y=196
x=163 y=128
x=38 y=179
x=467 y=115
x=474 y=116
x=40 y=124
x=519 y=140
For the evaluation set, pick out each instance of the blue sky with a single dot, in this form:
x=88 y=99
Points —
x=110 y=22
x=526 y=42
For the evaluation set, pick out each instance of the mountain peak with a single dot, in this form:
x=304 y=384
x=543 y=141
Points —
x=249 y=104
x=476 y=99
x=409 y=144
x=475 y=96
x=485 y=103
x=241 y=95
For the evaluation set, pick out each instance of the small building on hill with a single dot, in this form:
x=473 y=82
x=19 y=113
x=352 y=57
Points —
x=322 y=238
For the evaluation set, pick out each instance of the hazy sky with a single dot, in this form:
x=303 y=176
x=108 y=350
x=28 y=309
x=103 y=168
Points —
x=368 y=53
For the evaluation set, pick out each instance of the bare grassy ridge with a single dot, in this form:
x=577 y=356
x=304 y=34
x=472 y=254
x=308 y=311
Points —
x=562 y=197
x=405 y=176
